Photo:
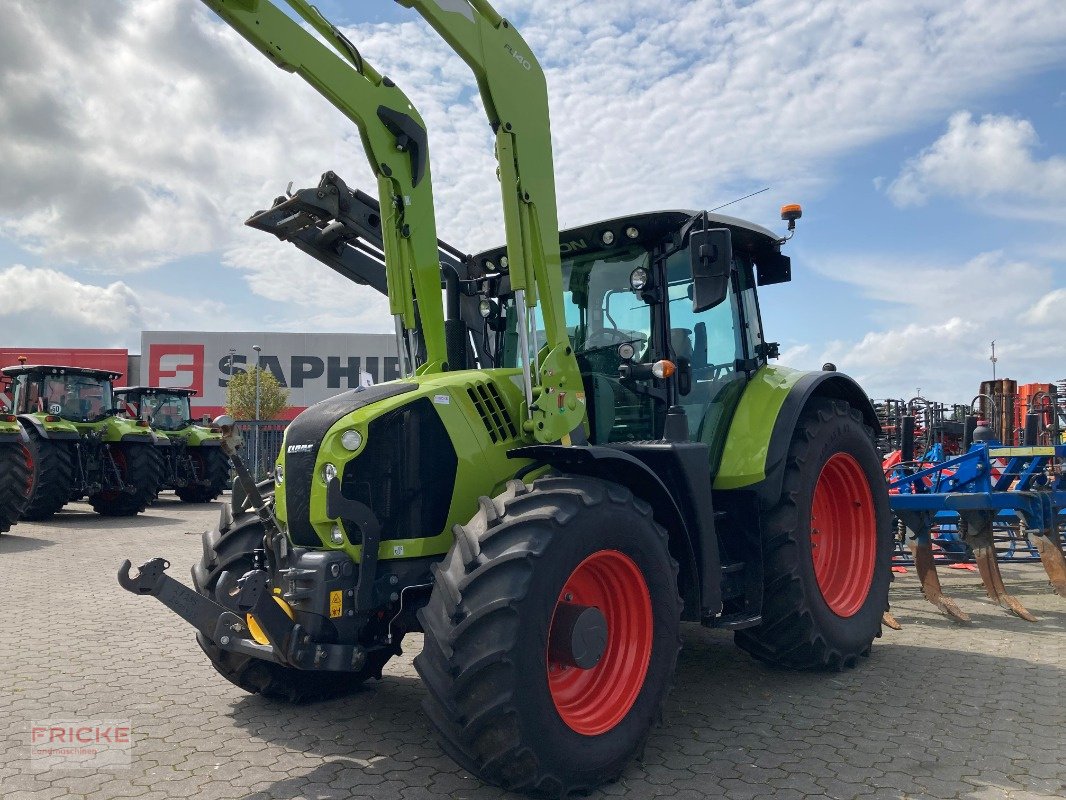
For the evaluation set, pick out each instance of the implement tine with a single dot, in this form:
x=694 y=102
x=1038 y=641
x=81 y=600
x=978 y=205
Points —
x=1051 y=557
x=930 y=580
x=993 y=581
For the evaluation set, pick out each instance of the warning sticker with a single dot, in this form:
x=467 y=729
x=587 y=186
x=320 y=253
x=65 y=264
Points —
x=336 y=604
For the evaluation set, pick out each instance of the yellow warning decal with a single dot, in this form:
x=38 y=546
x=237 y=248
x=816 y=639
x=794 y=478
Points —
x=1022 y=452
x=336 y=604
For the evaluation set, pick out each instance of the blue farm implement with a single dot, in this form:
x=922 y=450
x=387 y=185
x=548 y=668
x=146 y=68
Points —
x=1018 y=491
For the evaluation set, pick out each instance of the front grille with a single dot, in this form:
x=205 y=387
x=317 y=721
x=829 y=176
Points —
x=405 y=473
x=493 y=412
x=302 y=440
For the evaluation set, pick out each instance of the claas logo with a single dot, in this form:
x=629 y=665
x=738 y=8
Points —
x=176 y=366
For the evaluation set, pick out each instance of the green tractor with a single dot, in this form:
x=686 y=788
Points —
x=194 y=465
x=79 y=445
x=16 y=470
x=587 y=450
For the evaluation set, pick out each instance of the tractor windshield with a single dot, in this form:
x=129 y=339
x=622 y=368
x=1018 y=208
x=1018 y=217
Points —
x=166 y=412
x=79 y=398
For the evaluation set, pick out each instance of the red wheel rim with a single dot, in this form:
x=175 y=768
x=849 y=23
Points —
x=28 y=456
x=593 y=701
x=843 y=534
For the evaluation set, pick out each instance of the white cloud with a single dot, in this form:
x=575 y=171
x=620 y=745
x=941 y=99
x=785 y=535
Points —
x=44 y=307
x=133 y=134
x=939 y=322
x=66 y=303
x=991 y=159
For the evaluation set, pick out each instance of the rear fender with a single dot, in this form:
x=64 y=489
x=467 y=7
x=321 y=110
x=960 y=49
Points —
x=766 y=418
x=49 y=430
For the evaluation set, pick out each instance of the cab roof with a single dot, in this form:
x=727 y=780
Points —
x=651 y=228
x=52 y=369
x=181 y=392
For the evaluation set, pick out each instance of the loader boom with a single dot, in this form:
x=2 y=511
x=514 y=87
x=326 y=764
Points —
x=515 y=95
x=396 y=144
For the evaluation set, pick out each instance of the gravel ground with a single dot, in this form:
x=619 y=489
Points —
x=938 y=711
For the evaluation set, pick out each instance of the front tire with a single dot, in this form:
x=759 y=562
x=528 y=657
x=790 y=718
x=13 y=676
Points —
x=140 y=465
x=54 y=467
x=827 y=547
x=212 y=465
x=16 y=482
x=505 y=692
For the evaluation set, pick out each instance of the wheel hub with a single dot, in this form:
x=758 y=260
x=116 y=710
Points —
x=578 y=636
x=599 y=642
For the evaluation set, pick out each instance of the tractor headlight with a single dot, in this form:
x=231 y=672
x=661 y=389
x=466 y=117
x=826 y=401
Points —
x=351 y=440
x=607 y=237
x=336 y=535
x=504 y=262
x=626 y=351
x=632 y=232
x=329 y=472
x=485 y=308
x=279 y=474
x=638 y=279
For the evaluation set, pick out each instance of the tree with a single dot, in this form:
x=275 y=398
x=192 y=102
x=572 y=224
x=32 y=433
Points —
x=240 y=395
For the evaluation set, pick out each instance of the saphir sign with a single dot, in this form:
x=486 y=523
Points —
x=313 y=366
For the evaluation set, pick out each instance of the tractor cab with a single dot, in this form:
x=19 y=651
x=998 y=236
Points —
x=74 y=394
x=166 y=410
x=630 y=300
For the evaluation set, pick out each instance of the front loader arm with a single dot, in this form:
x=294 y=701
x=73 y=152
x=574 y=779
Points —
x=395 y=140
x=515 y=95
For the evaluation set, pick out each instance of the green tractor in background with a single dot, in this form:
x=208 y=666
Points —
x=590 y=449
x=194 y=465
x=79 y=444
x=16 y=469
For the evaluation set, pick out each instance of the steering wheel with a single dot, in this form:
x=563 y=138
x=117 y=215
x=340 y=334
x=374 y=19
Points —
x=612 y=336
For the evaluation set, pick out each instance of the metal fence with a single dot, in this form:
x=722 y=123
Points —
x=262 y=443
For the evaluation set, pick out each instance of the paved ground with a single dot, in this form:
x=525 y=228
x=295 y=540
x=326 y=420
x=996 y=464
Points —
x=938 y=711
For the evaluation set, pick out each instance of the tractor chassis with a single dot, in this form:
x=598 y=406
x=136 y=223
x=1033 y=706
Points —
x=96 y=470
x=179 y=469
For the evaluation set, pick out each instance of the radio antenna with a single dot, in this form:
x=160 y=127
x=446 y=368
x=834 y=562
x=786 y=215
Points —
x=745 y=197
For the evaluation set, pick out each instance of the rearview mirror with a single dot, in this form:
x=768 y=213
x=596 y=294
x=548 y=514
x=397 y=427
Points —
x=711 y=252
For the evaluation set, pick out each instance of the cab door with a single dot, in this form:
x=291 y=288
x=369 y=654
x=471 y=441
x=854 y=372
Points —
x=715 y=350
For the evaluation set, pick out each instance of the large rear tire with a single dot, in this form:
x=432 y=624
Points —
x=827 y=547
x=16 y=482
x=504 y=635
x=232 y=552
x=211 y=465
x=141 y=465
x=54 y=476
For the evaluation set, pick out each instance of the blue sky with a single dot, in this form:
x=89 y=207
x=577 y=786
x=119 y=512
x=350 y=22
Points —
x=926 y=141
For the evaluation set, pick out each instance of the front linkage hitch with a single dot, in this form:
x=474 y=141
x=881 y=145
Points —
x=228 y=626
x=289 y=644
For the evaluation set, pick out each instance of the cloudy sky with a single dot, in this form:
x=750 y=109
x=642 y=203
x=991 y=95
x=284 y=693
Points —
x=926 y=140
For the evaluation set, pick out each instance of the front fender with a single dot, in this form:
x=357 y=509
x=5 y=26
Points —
x=622 y=468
